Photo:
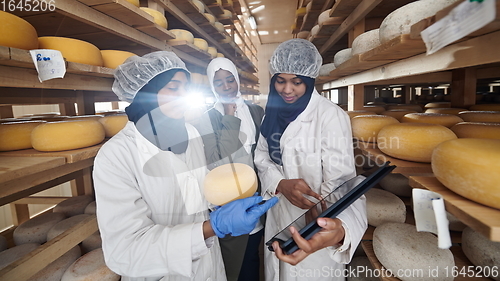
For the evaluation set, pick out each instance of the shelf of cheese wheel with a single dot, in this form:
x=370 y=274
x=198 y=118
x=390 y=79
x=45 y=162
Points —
x=185 y=41
x=113 y=58
x=229 y=182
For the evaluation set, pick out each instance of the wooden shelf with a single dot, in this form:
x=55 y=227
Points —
x=483 y=219
x=191 y=49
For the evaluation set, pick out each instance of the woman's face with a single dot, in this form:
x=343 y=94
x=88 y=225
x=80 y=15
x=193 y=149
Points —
x=225 y=85
x=170 y=97
x=290 y=87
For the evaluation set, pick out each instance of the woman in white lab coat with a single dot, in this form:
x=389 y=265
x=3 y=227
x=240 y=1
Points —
x=305 y=149
x=152 y=215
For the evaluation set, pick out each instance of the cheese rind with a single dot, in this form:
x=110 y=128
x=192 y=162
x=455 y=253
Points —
x=477 y=130
x=17 y=135
x=35 y=229
x=159 y=17
x=74 y=205
x=16 y=32
x=383 y=206
x=229 y=182
x=90 y=266
x=342 y=56
x=114 y=58
x=366 y=127
x=481 y=251
x=447 y=120
x=480 y=116
x=445 y=110
x=67 y=135
x=365 y=42
x=182 y=35
x=73 y=50
x=201 y=43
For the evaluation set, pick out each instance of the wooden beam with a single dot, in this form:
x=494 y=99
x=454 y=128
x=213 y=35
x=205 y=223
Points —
x=463 y=87
x=20 y=213
x=6 y=111
x=85 y=102
x=41 y=200
x=358 y=14
x=358 y=29
x=355 y=97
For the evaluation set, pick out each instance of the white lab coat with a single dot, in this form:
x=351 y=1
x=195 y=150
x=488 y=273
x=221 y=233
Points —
x=150 y=210
x=316 y=147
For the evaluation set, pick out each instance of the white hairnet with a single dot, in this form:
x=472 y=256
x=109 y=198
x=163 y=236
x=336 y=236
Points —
x=296 y=56
x=137 y=71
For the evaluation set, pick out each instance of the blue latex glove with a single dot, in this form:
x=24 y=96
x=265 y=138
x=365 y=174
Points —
x=239 y=216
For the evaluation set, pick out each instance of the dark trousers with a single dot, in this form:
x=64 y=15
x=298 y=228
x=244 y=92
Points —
x=250 y=271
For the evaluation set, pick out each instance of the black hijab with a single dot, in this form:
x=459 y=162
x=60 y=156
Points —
x=166 y=133
x=279 y=114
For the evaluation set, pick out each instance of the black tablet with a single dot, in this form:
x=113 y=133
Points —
x=353 y=189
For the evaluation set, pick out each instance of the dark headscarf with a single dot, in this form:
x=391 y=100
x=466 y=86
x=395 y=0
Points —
x=279 y=114
x=166 y=133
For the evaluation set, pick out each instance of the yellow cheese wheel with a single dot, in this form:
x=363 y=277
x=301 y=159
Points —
x=374 y=108
x=414 y=107
x=16 y=32
x=443 y=104
x=445 y=110
x=354 y=113
x=366 y=127
x=17 y=135
x=470 y=168
x=412 y=141
x=113 y=58
x=229 y=182
x=67 y=135
x=182 y=35
x=72 y=49
x=485 y=107
x=397 y=113
x=159 y=17
x=219 y=55
x=199 y=5
x=83 y=117
x=113 y=124
x=300 y=12
x=219 y=26
x=209 y=17
x=480 y=116
x=477 y=130
x=447 y=120
x=201 y=43
x=212 y=51
x=134 y=2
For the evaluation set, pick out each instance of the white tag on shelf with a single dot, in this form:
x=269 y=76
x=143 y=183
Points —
x=430 y=215
x=460 y=22
x=49 y=64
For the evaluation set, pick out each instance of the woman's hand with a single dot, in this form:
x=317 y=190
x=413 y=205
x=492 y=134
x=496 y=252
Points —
x=229 y=108
x=332 y=234
x=294 y=189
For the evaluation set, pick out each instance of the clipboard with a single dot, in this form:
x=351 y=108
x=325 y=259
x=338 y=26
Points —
x=354 y=188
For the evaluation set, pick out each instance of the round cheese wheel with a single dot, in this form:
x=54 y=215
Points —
x=365 y=42
x=481 y=251
x=113 y=58
x=374 y=108
x=354 y=113
x=342 y=56
x=404 y=251
x=92 y=242
x=477 y=130
x=400 y=20
x=209 y=17
x=64 y=225
x=414 y=107
x=412 y=141
x=455 y=164
x=397 y=184
x=447 y=120
x=324 y=16
x=325 y=69
x=314 y=30
x=366 y=274
x=443 y=104
x=159 y=17
x=74 y=205
x=219 y=26
x=55 y=270
x=135 y=3
x=226 y=15
x=16 y=32
x=212 y=51
x=182 y=35
x=229 y=182
x=90 y=266
x=17 y=135
x=301 y=12
x=91 y=208
x=67 y=135
x=13 y=254
x=397 y=113
x=480 y=116
x=199 y=5
x=443 y=110
x=201 y=43
x=303 y=34
x=383 y=206
x=113 y=124
x=35 y=229
x=219 y=55
x=308 y=6
x=83 y=117
x=72 y=49
x=485 y=107
x=366 y=127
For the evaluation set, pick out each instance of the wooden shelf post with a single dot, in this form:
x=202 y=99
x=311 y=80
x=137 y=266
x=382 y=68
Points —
x=463 y=87
x=355 y=97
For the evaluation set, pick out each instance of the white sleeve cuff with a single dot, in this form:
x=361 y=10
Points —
x=341 y=253
x=199 y=245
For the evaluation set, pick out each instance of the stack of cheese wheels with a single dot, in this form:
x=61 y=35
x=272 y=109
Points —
x=201 y=43
x=210 y=18
x=477 y=130
x=73 y=50
x=354 y=113
x=219 y=26
x=401 y=249
x=383 y=206
x=470 y=168
x=400 y=21
x=182 y=35
x=67 y=135
x=55 y=270
x=325 y=69
x=16 y=32
x=366 y=127
x=92 y=242
x=35 y=229
x=342 y=56
x=447 y=120
x=113 y=58
x=74 y=205
x=443 y=104
x=212 y=51
x=480 y=116
x=481 y=251
x=445 y=110
x=17 y=135
x=397 y=113
x=377 y=109
x=135 y=3
x=397 y=184
x=158 y=17
x=199 y=5
x=365 y=42
x=414 y=107
x=229 y=182
x=90 y=266
x=324 y=16
x=64 y=225
x=485 y=107
x=12 y=254
x=303 y=34
x=412 y=141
